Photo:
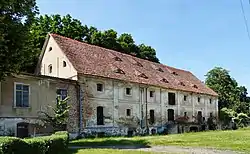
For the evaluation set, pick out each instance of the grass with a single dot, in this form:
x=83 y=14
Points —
x=107 y=151
x=238 y=140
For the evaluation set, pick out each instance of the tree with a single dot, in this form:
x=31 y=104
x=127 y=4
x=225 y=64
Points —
x=73 y=28
x=15 y=48
x=59 y=117
x=221 y=82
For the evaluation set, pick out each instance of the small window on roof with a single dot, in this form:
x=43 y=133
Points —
x=142 y=75
x=195 y=86
x=174 y=73
x=160 y=69
x=117 y=59
x=64 y=64
x=181 y=83
x=164 y=80
x=118 y=70
x=139 y=64
x=50 y=48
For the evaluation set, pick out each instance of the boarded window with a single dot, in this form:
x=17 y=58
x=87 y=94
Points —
x=22 y=93
x=100 y=116
x=171 y=98
x=151 y=116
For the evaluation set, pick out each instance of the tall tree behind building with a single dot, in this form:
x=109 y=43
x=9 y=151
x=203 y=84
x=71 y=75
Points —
x=15 y=46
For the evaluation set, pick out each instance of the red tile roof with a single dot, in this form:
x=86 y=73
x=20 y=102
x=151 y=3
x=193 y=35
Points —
x=93 y=60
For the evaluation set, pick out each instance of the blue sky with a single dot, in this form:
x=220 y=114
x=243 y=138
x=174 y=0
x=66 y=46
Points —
x=187 y=34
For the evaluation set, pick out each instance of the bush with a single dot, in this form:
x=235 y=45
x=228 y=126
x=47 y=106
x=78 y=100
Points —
x=54 y=144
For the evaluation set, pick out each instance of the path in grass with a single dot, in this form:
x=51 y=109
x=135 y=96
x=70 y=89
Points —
x=161 y=149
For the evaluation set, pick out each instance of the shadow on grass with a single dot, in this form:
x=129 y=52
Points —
x=110 y=144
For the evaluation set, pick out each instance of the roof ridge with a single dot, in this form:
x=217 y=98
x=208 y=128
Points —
x=110 y=50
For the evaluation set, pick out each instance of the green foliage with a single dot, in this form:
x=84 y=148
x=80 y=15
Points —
x=73 y=28
x=54 y=144
x=231 y=95
x=59 y=118
x=15 y=46
x=242 y=120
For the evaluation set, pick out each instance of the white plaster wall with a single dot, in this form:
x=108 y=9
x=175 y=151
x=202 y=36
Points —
x=55 y=57
x=115 y=100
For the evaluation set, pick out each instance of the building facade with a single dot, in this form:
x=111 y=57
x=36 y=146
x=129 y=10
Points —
x=24 y=96
x=119 y=91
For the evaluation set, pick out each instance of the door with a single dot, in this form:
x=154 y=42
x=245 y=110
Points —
x=22 y=130
x=170 y=115
x=100 y=117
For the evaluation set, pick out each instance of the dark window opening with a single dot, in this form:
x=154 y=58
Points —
x=182 y=84
x=118 y=59
x=100 y=117
x=151 y=93
x=118 y=70
x=128 y=112
x=185 y=98
x=170 y=115
x=171 y=98
x=185 y=114
x=99 y=87
x=160 y=69
x=143 y=76
x=128 y=91
x=195 y=86
x=62 y=93
x=50 y=68
x=164 y=80
x=199 y=99
x=64 y=64
x=210 y=101
x=174 y=73
x=50 y=48
x=139 y=64
x=151 y=116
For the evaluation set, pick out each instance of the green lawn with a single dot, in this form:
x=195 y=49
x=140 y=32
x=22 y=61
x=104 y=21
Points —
x=235 y=140
x=107 y=151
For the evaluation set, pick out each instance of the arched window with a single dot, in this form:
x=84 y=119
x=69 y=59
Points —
x=50 y=68
x=50 y=48
x=64 y=64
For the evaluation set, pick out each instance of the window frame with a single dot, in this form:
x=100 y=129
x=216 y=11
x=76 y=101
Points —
x=102 y=87
x=130 y=91
x=15 y=90
x=169 y=93
x=61 y=95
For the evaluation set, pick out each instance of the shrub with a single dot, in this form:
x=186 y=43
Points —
x=54 y=144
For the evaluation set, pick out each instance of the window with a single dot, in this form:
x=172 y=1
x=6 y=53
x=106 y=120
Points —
x=99 y=87
x=64 y=64
x=199 y=99
x=210 y=101
x=185 y=114
x=171 y=98
x=151 y=93
x=128 y=112
x=100 y=116
x=185 y=98
x=170 y=115
x=50 y=68
x=62 y=93
x=50 y=48
x=151 y=116
x=128 y=91
x=22 y=93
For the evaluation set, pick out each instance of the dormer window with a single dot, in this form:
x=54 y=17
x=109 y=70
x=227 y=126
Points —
x=160 y=69
x=174 y=73
x=118 y=70
x=50 y=68
x=50 y=48
x=142 y=75
x=117 y=59
x=181 y=83
x=139 y=64
x=164 y=80
x=195 y=86
x=64 y=64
